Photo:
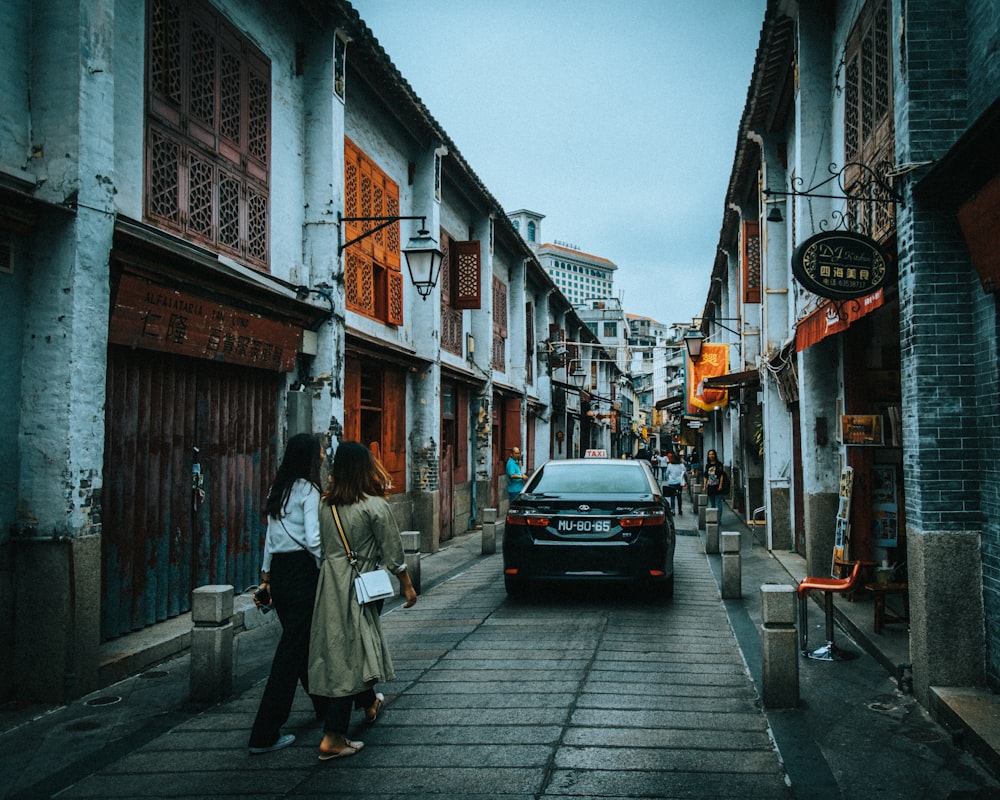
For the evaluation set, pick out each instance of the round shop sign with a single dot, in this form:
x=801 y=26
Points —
x=840 y=265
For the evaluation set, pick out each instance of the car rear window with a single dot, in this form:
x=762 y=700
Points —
x=591 y=479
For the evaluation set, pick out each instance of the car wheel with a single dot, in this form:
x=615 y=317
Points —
x=666 y=588
x=514 y=586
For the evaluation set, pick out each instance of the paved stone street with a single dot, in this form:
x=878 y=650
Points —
x=584 y=694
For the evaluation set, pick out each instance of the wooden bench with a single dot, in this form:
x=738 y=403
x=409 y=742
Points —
x=880 y=591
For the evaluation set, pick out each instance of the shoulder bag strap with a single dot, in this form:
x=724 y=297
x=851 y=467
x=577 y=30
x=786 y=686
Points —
x=292 y=537
x=351 y=556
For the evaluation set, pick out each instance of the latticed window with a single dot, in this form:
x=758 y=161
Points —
x=373 y=284
x=751 y=261
x=869 y=131
x=451 y=317
x=460 y=287
x=208 y=130
x=499 y=324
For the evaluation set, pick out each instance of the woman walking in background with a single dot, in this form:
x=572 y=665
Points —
x=289 y=572
x=715 y=481
x=348 y=655
x=676 y=478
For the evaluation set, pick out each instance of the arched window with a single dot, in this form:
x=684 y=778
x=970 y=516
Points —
x=531 y=231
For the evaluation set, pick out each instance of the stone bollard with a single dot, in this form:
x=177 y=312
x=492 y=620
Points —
x=711 y=530
x=211 y=679
x=779 y=647
x=732 y=566
x=411 y=553
x=702 y=507
x=489 y=540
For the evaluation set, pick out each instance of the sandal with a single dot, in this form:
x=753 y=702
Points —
x=349 y=749
x=371 y=713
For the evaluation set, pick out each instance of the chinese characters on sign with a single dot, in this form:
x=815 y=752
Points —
x=840 y=265
x=153 y=317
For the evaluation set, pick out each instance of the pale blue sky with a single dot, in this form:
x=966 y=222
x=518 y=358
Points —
x=616 y=120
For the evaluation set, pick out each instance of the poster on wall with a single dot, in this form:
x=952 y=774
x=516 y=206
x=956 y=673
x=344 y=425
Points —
x=885 y=507
x=842 y=532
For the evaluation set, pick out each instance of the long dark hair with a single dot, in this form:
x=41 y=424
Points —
x=356 y=474
x=301 y=461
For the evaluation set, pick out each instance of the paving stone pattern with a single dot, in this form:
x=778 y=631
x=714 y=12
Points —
x=588 y=694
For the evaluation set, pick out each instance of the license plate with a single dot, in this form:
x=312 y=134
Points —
x=583 y=525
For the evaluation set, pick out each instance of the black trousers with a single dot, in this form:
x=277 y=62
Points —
x=338 y=713
x=293 y=590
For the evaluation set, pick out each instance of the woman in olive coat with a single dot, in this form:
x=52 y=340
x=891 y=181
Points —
x=348 y=654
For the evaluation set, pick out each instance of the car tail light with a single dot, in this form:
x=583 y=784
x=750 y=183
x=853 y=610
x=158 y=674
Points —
x=510 y=571
x=639 y=520
x=656 y=573
x=525 y=518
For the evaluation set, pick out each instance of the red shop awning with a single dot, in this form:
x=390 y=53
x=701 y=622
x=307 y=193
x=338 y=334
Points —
x=834 y=317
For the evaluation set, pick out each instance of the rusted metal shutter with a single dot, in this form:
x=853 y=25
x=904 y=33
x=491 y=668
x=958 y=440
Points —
x=189 y=452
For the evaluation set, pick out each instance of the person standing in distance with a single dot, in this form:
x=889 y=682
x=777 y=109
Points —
x=515 y=475
x=289 y=572
x=676 y=478
x=715 y=481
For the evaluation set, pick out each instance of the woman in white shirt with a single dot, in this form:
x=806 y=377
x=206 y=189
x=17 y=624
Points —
x=290 y=571
x=676 y=479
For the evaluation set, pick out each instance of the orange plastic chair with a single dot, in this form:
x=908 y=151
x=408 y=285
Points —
x=829 y=586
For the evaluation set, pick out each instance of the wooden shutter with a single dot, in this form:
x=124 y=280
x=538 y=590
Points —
x=369 y=192
x=352 y=399
x=394 y=426
x=751 y=261
x=466 y=279
x=529 y=336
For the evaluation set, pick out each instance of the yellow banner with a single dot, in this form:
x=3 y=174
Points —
x=714 y=361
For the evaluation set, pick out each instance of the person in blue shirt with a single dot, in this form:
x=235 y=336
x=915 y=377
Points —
x=515 y=475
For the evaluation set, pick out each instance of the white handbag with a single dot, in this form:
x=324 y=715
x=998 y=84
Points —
x=372 y=586
x=368 y=586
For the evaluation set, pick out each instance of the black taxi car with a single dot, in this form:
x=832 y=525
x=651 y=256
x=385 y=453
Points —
x=590 y=519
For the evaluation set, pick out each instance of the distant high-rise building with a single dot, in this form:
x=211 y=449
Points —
x=580 y=276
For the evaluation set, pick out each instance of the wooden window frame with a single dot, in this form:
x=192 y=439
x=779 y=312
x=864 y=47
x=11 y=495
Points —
x=207 y=146
x=373 y=281
x=869 y=126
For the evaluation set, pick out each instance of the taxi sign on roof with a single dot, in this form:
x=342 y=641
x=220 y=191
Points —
x=596 y=454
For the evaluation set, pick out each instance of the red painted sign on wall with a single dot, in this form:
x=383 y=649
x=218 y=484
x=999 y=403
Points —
x=154 y=317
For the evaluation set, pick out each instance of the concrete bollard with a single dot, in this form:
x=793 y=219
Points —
x=489 y=540
x=732 y=566
x=411 y=553
x=702 y=507
x=779 y=647
x=211 y=678
x=711 y=530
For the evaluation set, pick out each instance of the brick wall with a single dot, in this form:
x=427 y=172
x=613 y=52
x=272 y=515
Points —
x=948 y=326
